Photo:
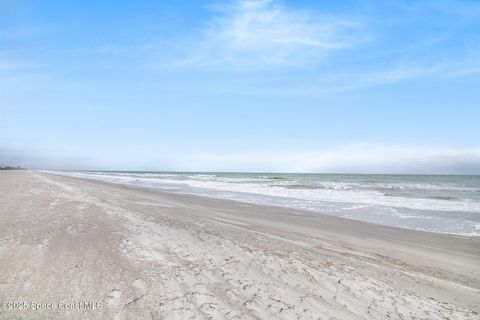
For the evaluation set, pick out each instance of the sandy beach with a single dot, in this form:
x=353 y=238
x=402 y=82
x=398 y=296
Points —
x=74 y=248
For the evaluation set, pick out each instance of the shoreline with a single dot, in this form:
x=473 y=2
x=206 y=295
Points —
x=199 y=253
x=289 y=210
x=386 y=201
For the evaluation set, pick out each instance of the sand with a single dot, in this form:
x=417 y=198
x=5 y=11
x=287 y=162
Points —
x=73 y=248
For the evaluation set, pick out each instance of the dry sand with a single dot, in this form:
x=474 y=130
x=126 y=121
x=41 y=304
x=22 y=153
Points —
x=144 y=254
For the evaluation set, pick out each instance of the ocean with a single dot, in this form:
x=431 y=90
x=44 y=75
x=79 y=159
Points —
x=444 y=204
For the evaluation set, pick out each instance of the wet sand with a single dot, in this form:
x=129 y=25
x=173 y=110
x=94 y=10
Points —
x=83 y=249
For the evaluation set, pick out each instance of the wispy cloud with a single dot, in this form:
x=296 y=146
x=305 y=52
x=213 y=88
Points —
x=263 y=32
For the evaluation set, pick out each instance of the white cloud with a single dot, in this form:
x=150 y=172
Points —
x=357 y=158
x=262 y=32
x=380 y=159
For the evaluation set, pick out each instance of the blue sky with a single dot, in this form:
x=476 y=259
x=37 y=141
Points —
x=303 y=86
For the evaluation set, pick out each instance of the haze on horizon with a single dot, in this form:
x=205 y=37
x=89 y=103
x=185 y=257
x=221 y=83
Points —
x=251 y=85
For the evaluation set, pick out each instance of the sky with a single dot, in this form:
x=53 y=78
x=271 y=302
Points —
x=354 y=86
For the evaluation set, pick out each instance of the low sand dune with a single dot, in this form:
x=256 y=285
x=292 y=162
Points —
x=80 y=249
